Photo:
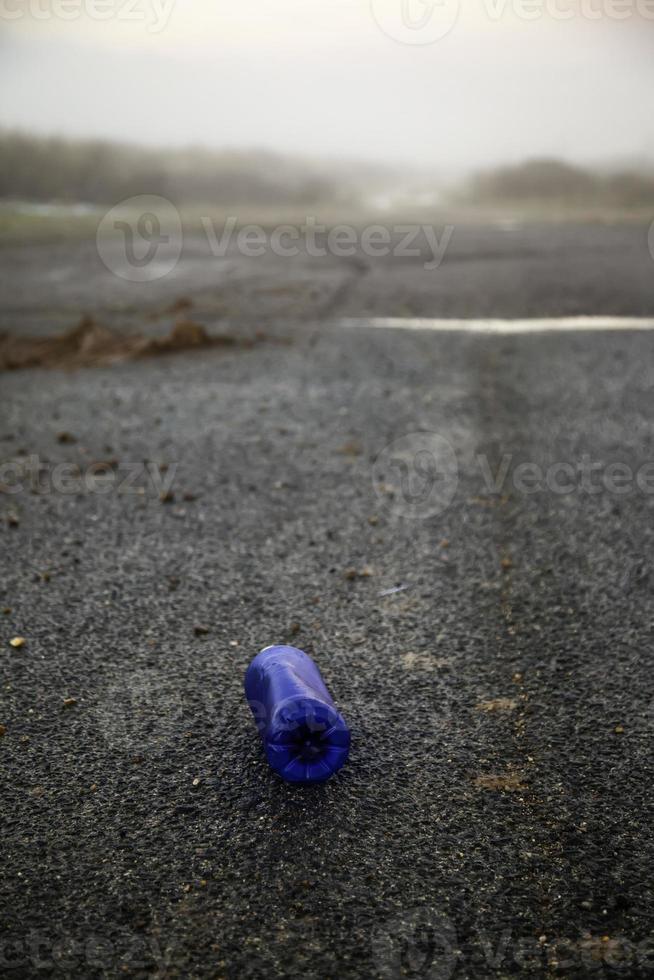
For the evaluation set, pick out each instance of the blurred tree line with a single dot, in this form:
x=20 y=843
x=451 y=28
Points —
x=557 y=182
x=38 y=168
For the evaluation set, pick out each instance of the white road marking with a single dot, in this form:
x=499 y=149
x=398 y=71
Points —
x=538 y=325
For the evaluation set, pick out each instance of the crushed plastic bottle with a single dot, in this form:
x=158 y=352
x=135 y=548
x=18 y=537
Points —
x=305 y=738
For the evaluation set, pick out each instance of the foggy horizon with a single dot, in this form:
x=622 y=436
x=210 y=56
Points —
x=324 y=82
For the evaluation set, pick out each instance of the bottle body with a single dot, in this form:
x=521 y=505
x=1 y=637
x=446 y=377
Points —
x=305 y=738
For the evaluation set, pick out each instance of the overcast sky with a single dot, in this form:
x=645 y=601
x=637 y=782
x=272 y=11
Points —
x=337 y=77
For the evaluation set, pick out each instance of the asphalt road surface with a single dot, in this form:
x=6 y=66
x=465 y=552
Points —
x=506 y=270
x=457 y=527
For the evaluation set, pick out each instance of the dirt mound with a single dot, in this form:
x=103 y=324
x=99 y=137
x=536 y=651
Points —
x=90 y=344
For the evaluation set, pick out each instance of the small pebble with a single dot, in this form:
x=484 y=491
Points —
x=351 y=448
x=17 y=642
x=353 y=573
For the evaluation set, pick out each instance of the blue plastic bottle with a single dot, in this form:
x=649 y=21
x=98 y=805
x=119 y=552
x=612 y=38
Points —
x=305 y=738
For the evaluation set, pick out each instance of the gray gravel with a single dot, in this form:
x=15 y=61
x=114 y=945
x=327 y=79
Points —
x=495 y=815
